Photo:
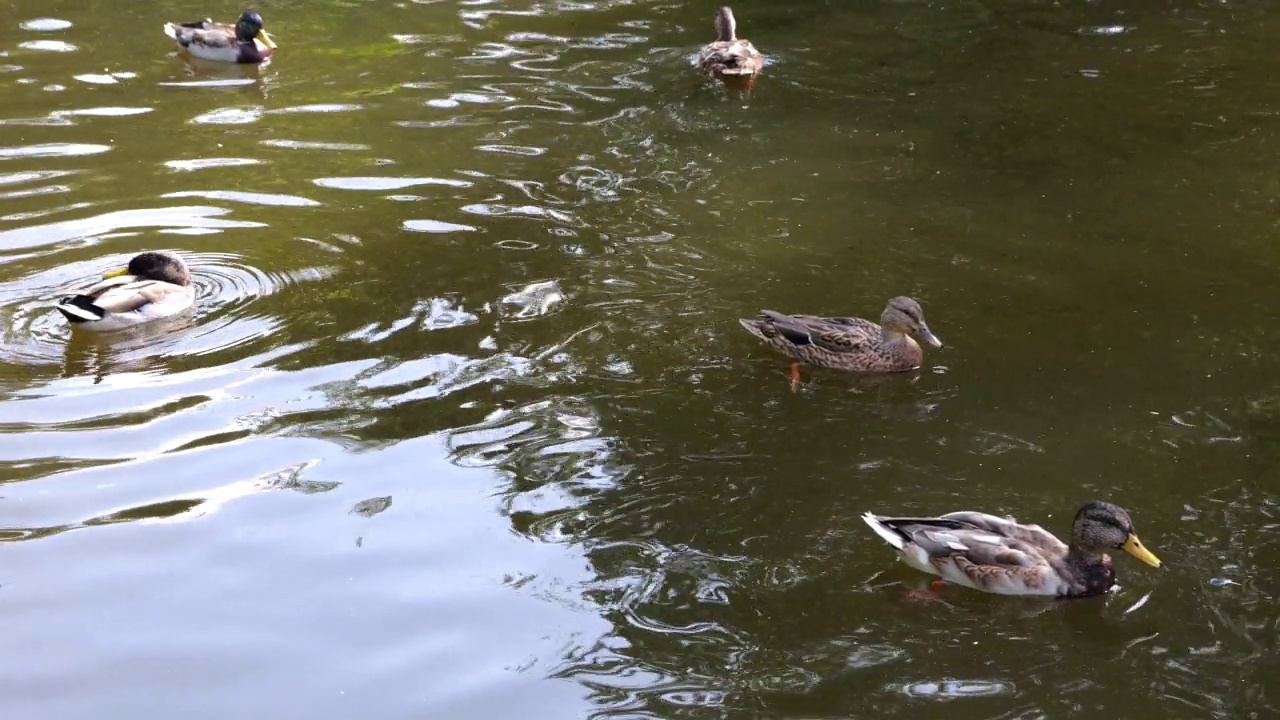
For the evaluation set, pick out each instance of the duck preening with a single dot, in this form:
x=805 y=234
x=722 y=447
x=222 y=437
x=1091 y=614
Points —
x=154 y=285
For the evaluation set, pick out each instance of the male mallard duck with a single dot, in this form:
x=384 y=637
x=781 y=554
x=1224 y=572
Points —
x=1000 y=556
x=728 y=55
x=154 y=285
x=245 y=42
x=847 y=343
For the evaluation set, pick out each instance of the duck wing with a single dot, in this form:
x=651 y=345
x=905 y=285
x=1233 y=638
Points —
x=134 y=295
x=979 y=551
x=834 y=334
x=202 y=32
x=1032 y=535
x=947 y=538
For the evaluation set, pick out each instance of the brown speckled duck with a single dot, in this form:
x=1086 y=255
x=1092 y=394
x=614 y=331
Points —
x=1000 y=556
x=847 y=343
x=728 y=55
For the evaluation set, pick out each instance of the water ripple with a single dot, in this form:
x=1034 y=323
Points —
x=312 y=145
x=44 y=24
x=229 y=116
x=31 y=331
x=52 y=150
x=275 y=199
x=191 y=217
x=24 y=176
x=103 y=78
x=227 y=314
x=205 y=163
x=318 y=108
x=436 y=226
x=215 y=83
x=385 y=183
x=103 y=112
x=48 y=46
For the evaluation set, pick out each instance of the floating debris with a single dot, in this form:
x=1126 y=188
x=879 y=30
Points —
x=1141 y=601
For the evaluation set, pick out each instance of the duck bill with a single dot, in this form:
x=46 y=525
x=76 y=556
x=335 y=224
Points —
x=117 y=272
x=928 y=336
x=1134 y=547
x=266 y=39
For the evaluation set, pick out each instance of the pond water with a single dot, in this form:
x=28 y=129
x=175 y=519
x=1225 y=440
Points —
x=464 y=424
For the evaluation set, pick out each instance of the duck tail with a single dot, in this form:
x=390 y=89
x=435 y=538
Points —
x=755 y=326
x=80 y=309
x=726 y=27
x=888 y=534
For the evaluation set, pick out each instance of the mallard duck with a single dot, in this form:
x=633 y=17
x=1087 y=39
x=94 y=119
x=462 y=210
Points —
x=244 y=42
x=998 y=555
x=847 y=343
x=729 y=55
x=154 y=285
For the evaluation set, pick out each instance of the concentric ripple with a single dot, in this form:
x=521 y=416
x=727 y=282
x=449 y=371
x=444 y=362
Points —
x=227 y=287
x=227 y=290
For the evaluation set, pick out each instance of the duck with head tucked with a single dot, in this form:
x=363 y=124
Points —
x=154 y=285
x=245 y=42
x=1000 y=556
x=847 y=343
x=729 y=56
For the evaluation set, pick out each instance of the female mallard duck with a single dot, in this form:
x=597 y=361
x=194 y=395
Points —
x=154 y=285
x=847 y=343
x=245 y=42
x=1000 y=556
x=728 y=55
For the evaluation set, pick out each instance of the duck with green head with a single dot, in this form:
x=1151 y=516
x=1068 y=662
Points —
x=154 y=285
x=245 y=42
x=847 y=343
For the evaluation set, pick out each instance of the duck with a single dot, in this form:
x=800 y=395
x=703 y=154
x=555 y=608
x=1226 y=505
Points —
x=729 y=55
x=1001 y=556
x=152 y=286
x=847 y=343
x=245 y=42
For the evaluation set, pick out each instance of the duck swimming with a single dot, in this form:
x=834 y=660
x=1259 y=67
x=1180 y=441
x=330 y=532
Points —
x=847 y=343
x=729 y=55
x=245 y=42
x=1000 y=556
x=154 y=285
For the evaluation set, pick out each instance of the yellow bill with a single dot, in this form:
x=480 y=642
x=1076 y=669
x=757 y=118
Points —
x=266 y=39
x=1134 y=547
x=114 y=273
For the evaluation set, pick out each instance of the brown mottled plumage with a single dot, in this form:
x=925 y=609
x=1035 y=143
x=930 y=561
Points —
x=998 y=555
x=848 y=343
x=729 y=55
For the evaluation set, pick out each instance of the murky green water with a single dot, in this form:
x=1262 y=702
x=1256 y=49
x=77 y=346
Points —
x=465 y=425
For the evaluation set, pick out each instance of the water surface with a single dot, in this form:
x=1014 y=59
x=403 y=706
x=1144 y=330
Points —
x=464 y=424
